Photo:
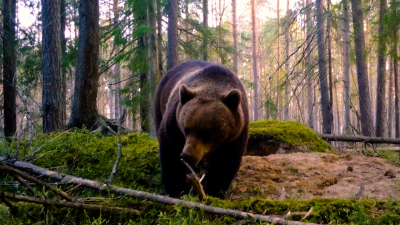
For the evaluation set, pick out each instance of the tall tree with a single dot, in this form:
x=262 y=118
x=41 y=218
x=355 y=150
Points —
x=380 y=95
x=235 y=40
x=159 y=40
x=362 y=72
x=278 y=55
x=346 y=66
x=391 y=98
x=310 y=88
x=172 y=46
x=287 y=80
x=52 y=97
x=63 y=19
x=84 y=110
x=205 y=24
x=328 y=32
x=394 y=55
x=254 y=53
x=324 y=89
x=9 y=67
x=117 y=66
x=153 y=61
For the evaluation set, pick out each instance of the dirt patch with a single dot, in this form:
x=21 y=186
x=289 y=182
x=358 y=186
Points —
x=311 y=175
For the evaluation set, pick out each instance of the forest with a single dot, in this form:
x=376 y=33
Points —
x=78 y=80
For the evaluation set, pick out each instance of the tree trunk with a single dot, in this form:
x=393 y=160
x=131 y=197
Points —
x=9 y=67
x=287 y=80
x=380 y=95
x=390 y=93
x=346 y=66
x=53 y=115
x=309 y=74
x=172 y=46
x=159 y=41
x=324 y=89
x=328 y=32
x=63 y=19
x=84 y=110
x=278 y=56
x=362 y=72
x=117 y=66
x=254 y=53
x=205 y=24
x=235 y=40
x=153 y=61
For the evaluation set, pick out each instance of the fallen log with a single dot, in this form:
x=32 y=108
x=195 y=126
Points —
x=148 y=196
x=365 y=139
x=66 y=204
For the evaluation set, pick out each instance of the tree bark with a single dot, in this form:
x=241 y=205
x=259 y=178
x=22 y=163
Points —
x=63 y=19
x=328 y=32
x=84 y=112
x=380 y=95
x=391 y=99
x=235 y=40
x=278 y=75
x=172 y=46
x=53 y=115
x=9 y=67
x=309 y=58
x=153 y=61
x=205 y=24
x=323 y=79
x=362 y=72
x=254 y=53
x=159 y=41
x=287 y=80
x=346 y=66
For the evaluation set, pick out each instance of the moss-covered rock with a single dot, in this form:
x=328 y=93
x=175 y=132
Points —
x=289 y=132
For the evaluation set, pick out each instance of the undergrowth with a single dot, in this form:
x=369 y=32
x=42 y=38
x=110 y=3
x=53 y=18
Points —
x=290 y=132
x=83 y=154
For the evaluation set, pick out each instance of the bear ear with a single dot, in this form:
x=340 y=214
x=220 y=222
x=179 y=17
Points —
x=232 y=100
x=185 y=94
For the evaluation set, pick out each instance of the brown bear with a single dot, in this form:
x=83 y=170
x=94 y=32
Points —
x=201 y=115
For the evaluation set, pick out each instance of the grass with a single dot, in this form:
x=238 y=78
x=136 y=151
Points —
x=83 y=154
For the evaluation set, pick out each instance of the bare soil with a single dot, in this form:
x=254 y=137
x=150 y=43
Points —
x=310 y=175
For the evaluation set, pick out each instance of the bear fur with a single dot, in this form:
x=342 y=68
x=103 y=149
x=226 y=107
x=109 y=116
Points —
x=201 y=115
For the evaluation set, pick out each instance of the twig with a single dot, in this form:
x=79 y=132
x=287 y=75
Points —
x=73 y=188
x=66 y=204
x=194 y=179
x=308 y=214
x=32 y=179
x=149 y=196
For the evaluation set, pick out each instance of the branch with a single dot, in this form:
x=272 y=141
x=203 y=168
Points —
x=149 y=196
x=195 y=180
x=32 y=179
x=21 y=198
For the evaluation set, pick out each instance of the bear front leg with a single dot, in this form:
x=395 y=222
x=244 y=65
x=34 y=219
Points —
x=173 y=172
x=222 y=168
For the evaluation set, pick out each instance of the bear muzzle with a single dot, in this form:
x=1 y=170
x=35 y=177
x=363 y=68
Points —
x=194 y=153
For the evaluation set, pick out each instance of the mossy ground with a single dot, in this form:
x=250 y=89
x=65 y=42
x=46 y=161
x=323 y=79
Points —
x=290 y=132
x=83 y=154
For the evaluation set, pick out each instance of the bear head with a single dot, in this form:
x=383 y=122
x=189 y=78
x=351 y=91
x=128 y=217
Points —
x=208 y=122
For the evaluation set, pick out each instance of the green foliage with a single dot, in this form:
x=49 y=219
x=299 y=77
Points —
x=289 y=132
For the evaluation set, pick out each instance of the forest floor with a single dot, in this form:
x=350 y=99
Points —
x=310 y=175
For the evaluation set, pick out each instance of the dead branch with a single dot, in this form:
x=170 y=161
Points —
x=149 y=196
x=32 y=179
x=20 y=180
x=66 y=204
x=308 y=214
x=365 y=139
x=195 y=180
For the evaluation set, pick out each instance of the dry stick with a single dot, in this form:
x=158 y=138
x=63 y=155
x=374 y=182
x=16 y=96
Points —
x=308 y=213
x=66 y=204
x=149 y=196
x=20 y=180
x=195 y=180
x=32 y=179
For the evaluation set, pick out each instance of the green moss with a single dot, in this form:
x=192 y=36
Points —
x=290 y=132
